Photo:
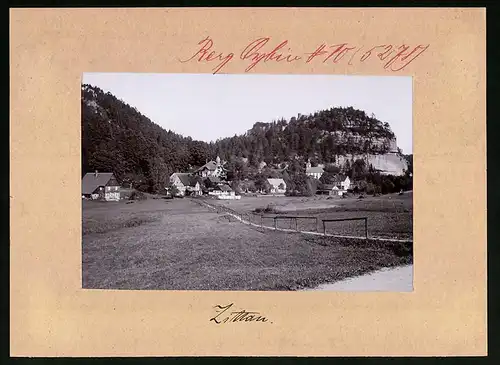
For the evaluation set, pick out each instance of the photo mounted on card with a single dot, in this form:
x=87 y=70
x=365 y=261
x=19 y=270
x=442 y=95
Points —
x=246 y=182
x=293 y=187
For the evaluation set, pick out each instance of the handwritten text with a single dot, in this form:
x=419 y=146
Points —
x=224 y=315
x=391 y=57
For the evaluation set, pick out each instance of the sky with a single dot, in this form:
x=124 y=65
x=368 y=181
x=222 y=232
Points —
x=208 y=107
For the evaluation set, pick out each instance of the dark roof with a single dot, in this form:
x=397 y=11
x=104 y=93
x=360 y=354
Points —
x=209 y=166
x=90 y=182
x=213 y=179
x=223 y=187
x=186 y=179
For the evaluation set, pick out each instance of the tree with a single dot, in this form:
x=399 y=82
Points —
x=116 y=137
x=300 y=185
x=235 y=185
x=172 y=189
x=347 y=169
x=262 y=184
x=358 y=169
x=158 y=174
x=332 y=169
x=286 y=177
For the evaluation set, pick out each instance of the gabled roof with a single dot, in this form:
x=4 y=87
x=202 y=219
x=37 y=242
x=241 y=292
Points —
x=211 y=165
x=223 y=187
x=315 y=170
x=276 y=182
x=185 y=178
x=213 y=179
x=91 y=182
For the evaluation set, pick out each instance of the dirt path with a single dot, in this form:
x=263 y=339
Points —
x=398 y=279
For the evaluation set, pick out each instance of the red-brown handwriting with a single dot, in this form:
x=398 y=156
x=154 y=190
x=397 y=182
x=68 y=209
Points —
x=262 y=50
x=204 y=56
x=253 y=53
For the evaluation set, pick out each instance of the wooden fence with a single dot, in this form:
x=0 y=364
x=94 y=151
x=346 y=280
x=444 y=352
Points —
x=346 y=219
x=294 y=219
x=258 y=219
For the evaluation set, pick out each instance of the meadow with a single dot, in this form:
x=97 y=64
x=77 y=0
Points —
x=179 y=245
x=388 y=216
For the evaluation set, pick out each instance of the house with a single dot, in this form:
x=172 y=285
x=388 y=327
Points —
x=100 y=186
x=186 y=184
x=339 y=187
x=222 y=189
x=343 y=182
x=314 y=172
x=212 y=181
x=278 y=186
x=211 y=168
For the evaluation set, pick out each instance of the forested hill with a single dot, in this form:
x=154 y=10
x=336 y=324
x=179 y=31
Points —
x=319 y=137
x=117 y=137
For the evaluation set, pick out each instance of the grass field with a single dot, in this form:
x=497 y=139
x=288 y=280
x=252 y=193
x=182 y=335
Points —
x=178 y=244
x=389 y=216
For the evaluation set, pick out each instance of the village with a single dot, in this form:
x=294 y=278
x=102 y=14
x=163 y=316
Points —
x=210 y=180
x=289 y=203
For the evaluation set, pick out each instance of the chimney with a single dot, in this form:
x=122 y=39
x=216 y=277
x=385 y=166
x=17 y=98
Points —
x=96 y=173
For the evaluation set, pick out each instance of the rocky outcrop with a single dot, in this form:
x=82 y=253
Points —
x=390 y=163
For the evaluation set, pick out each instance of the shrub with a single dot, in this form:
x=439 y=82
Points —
x=137 y=195
x=269 y=209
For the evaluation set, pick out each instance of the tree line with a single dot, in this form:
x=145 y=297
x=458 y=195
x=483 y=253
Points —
x=117 y=138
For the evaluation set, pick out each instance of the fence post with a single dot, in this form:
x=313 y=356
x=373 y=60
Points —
x=316 y=224
x=324 y=228
x=366 y=228
x=296 y=225
x=275 y=225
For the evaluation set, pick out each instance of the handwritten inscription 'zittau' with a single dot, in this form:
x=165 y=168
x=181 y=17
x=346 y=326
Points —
x=391 y=57
x=224 y=315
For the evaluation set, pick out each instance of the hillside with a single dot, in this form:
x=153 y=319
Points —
x=117 y=137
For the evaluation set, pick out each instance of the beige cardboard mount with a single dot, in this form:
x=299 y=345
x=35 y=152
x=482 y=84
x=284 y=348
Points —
x=52 y=316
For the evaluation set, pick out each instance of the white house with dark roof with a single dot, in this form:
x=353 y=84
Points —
x=278 y=186
x=211 y=168
x=185 y=183
x=100 y=186
x=314 y=172
x=342 y=182
x=224 y=191
x=339 y=186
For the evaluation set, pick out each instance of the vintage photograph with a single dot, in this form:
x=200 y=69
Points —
x=248 y=182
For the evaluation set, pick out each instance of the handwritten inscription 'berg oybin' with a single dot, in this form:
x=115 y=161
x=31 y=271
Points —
x=262 y=50
x=224 y=315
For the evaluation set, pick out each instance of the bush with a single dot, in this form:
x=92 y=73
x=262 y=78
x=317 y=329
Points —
x=269 y=209
x=137 y=195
